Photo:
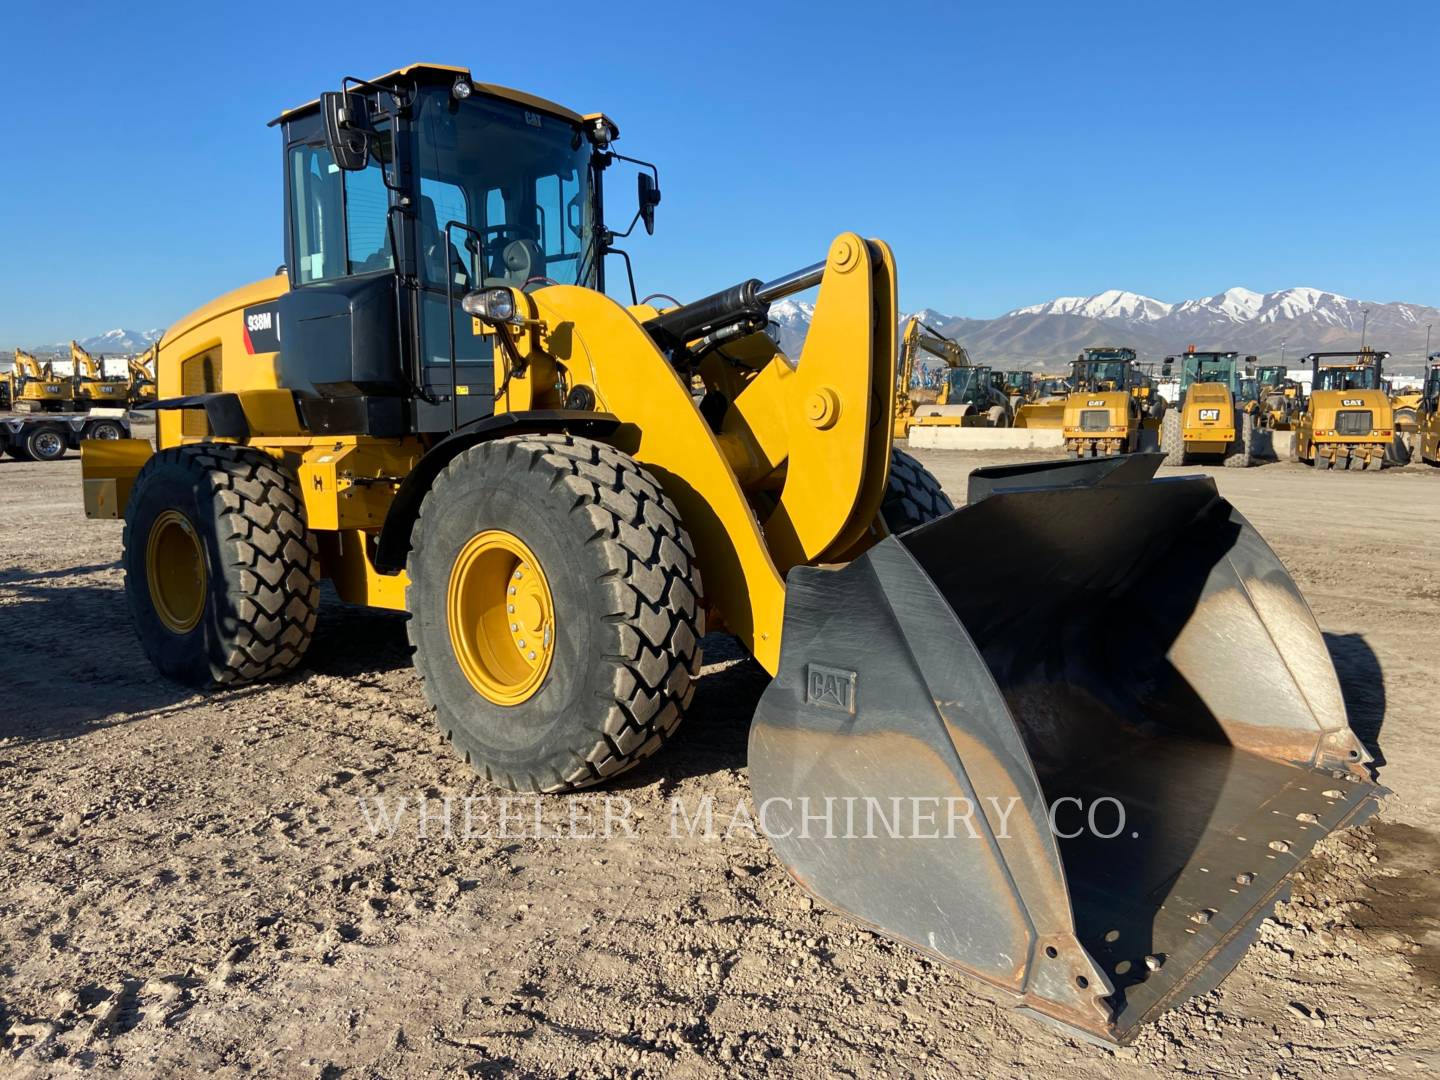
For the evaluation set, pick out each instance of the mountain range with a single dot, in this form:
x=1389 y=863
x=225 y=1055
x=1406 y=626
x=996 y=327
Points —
x=1048 y=336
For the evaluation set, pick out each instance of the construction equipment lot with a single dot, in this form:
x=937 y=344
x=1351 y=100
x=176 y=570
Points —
x=188 y=881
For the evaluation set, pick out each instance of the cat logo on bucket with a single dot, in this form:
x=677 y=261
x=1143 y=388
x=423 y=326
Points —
x=831 y=688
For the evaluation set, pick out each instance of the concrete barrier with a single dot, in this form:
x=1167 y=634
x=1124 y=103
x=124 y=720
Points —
x=982 y=438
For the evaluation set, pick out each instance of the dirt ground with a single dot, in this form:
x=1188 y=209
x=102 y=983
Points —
x=190 y=883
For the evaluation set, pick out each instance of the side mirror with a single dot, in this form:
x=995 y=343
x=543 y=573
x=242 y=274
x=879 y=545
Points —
x=648 y=193
x=1165 y=370
x=347 y=129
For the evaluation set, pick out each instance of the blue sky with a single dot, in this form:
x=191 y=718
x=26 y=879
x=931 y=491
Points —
x=1009 y=152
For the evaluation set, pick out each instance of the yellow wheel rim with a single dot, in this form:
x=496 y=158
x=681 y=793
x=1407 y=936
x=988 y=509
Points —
x=501 y=617
x=175 y=572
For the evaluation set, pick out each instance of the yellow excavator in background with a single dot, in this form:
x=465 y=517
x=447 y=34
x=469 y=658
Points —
x=916 y=340
x=460 y=422
x=33 y=387
x=92 y=388
x=1348 y=422
x=141 y=387
x=1425 y=439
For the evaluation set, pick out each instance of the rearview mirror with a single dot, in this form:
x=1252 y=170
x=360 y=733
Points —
x=648 y=193
x=347 y=129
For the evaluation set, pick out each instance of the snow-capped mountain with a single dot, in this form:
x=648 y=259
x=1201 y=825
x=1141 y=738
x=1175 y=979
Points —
x=1110 y=304
x=1299 y=320
x=119 y=342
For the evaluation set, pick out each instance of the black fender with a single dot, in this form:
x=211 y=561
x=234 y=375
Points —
x=394 y=543
x=223 y=411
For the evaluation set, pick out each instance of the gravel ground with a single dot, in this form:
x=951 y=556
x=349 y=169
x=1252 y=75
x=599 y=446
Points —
x=189 y=883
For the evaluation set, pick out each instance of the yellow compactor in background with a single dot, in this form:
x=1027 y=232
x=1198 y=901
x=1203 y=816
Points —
x=1348 y=422
x=438 y=407
x=1104 y=411
x=1210 y=420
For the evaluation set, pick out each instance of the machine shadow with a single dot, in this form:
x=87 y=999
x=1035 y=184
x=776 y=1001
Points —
x=1362 y=683
x=72 y=664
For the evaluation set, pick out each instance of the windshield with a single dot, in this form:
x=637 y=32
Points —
x=518 y=177
x=1271 y=376
x=969 y=384
x=1102 y=374
x=1249 y=390
x=1346 y=379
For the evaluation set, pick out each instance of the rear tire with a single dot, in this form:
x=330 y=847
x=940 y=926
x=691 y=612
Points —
x=620 y=645
x=252 y=612
x=912 y=496
x=1172 y=438
x=46 y=442
x=1242 y=449
x=104 y=429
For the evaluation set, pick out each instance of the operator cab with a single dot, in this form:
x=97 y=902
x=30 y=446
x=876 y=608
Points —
x=402 y=195
x=1102 y=369
x=970 y=386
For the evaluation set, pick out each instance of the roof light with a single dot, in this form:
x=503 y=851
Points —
x=462 y=88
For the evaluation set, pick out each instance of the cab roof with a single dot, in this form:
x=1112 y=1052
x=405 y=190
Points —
x=445 y=75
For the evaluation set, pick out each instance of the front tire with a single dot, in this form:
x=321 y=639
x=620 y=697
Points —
x=221 y=571
x=912 y=495
x=608 y=602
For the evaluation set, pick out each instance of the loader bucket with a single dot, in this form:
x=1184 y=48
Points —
x=1084 y=782
x=1037 y=414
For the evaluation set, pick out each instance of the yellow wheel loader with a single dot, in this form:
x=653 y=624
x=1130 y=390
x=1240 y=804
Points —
x=1102 y=412
x=1424 y=443
x=92 y=390
x=1280 y=397
x=33 y=386
x=438 y=407
x=1046 y=406
x=1348 y=422
x=1210 y=420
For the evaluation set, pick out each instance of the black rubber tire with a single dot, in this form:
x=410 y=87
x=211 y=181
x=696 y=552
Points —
x=912 y=496
x=262 y=564
x=17 y=451
x=1243 y=448
x=1172 y=440
x=104 y=429
x=627 y=594
x=46 y=442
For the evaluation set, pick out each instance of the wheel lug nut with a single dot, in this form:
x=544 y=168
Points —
x=532 y=655
x=510 y=608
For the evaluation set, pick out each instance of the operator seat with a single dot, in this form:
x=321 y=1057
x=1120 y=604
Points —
x=436 y=250
x=519 y=261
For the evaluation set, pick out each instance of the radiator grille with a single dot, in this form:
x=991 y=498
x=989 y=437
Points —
x=199 y=375
x=1095 y=420
x=1354 y=422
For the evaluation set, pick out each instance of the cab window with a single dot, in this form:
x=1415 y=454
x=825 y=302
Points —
x=317 y=215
